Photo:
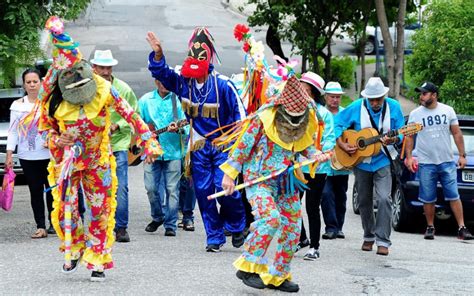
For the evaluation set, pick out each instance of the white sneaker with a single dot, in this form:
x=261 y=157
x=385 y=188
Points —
x=311 y=255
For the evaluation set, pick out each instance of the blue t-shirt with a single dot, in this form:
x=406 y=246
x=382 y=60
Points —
x=159 y=111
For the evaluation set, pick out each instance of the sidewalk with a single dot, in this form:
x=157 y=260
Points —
x=406 y=104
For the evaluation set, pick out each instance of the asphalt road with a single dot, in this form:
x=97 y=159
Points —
x=155 y=264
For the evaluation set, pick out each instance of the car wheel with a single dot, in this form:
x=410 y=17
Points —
x=401 y=219
x=355 y=199
x=369 y=47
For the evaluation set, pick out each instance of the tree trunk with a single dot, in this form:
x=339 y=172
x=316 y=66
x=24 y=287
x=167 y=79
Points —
x=400 y=45
x=304 y=59
x=362 y=54
x=388 y=46
x=274 y=42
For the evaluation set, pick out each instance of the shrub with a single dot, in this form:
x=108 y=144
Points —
x=443 y=51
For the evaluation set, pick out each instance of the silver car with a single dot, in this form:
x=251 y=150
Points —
x=7 y=96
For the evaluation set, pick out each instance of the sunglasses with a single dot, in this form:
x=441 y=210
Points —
x=376 y=99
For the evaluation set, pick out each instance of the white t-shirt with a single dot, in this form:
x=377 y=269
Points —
x=31 y=144
x=433 y=143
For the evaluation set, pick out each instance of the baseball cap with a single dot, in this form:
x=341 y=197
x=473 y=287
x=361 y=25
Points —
x=427 y=87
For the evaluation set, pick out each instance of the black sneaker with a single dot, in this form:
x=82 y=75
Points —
x=340 y=234
x=170 y=232
x=311 y=255
x=238 y=239
x=51 y=230
x=97 y=276
x=153 y=226
x=213 y=248
x=430 y=232
x=74 y=266
x=301 y=245
x=252 y=280
x=286 y=286
x=121 y=235
x=329 y=235
x=188 y=226
x=464 y=234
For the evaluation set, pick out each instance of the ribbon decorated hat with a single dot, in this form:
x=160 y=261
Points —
x=202 y=52
x=293 y=97
x=65 y=51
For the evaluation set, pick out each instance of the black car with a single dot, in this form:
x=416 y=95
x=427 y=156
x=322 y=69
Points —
x=408 y=210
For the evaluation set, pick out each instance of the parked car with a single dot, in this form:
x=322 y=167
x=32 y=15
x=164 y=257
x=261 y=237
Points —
x=370 y=45
x=7 y=96
x=406 y=206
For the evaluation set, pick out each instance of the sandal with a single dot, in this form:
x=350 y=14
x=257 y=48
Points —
x=73 y=267
x=40 y=233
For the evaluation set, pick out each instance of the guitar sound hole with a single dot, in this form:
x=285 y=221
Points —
x=361 y=143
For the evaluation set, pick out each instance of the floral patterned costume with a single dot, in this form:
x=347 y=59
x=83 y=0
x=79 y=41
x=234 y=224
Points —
x=93 y=169
x=260 y=151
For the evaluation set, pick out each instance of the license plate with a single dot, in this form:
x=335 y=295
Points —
x=468 y=176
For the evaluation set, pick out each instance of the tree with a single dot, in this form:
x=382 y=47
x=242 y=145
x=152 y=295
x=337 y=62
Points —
x=308 y=25
x=394 y=57
x=21 y=22
x=443 y=51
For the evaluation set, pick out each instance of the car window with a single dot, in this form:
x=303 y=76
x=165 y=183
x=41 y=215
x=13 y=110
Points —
x=468 y=134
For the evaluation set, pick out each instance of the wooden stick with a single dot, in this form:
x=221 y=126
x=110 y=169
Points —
x=323 y=157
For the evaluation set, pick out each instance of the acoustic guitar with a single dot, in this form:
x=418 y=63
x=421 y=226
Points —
x=135 y=152
x=368 y=144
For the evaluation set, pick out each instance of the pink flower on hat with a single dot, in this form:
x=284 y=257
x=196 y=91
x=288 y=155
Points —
x=55 y=25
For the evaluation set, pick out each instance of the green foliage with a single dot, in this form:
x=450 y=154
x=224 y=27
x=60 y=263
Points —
x=342 y=71
x=345 y=101
x=21 y=22
x=443 y=50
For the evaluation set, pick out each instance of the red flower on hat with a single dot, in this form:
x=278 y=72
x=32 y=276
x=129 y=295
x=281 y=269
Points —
x=246 y=47
x=241 y=32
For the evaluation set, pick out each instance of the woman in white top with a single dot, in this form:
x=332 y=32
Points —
x=31 y=150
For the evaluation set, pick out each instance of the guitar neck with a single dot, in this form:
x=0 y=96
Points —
x=375 y=139
x=180 y=124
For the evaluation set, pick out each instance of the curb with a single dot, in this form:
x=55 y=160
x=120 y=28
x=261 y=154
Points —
x=227 y=4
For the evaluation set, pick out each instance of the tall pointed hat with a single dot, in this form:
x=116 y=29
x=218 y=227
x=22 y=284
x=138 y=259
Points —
x=201 y=54
x=65 y=52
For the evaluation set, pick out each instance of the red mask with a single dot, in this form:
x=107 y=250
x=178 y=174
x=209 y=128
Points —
x=194 y=68
x=201 y=53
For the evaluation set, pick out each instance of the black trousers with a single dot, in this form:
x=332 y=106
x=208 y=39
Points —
x=36 y=175
x=313 y=202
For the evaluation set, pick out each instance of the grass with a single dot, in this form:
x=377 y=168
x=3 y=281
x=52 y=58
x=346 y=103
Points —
x=367 y=61
x=345 y=101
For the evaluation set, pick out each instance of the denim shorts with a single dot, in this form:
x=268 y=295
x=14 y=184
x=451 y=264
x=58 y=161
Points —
x=430 y=174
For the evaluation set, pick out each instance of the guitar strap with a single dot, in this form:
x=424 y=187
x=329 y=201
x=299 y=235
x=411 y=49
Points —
x=394 y=167
x=175 y=109
x=372 y=122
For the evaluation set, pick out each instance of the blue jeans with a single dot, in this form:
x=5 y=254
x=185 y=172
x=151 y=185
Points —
x=187 y=199
x=333 y=202
x=430 y=174
x=121 y=214
x=164 y=207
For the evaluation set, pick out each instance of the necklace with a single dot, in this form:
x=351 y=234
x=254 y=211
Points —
x=201 y=96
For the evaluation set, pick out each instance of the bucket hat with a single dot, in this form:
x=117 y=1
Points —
x=374 y=88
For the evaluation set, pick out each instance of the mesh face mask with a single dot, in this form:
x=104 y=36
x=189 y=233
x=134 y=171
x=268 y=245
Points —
x=77 y=84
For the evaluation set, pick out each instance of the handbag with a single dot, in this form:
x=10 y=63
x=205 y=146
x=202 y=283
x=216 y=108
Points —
x=6 y=193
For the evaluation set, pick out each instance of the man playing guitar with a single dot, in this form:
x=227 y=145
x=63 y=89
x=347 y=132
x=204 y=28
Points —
x=382 y=114
x=161 y=109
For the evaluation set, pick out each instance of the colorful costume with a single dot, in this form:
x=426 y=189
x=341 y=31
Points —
x=93 y=165
x=208 y=106
x=268 y=144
